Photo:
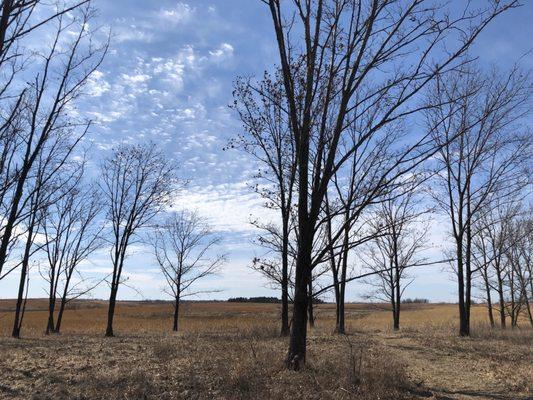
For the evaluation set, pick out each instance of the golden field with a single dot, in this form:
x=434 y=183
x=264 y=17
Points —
x=233 y=351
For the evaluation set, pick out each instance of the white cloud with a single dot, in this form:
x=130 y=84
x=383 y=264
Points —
x=135 y=78
x=97 y=85
x=227 y=207
x=222 y=52
x=180 y=13
x=133 y=33
x=172 y=69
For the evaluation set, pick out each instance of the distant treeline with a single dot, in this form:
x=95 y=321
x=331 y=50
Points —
x=415 y=300
x=263 y=299
x=260 y=299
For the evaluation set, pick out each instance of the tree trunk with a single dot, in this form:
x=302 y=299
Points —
x=396 y=310
x=514 y=306
x=393 y=309
x=50 y=326
x=463 y=321
x=501 y=298
x=468 y=267
x=20 y=299
x=117 y=272
x=285 y=280
x=19 y=310
x=489 y=299
x=176 y=314
x=111 y=311
x=337 y=307
x=397 y=291
x=310 y=305
x=334 y=269
x=298 y=337
x=63 y=303
x=341 y=326
x=60 y=315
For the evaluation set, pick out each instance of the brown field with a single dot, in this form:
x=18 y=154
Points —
x=232 y=351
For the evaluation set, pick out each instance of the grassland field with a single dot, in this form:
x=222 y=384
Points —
x=233 y=351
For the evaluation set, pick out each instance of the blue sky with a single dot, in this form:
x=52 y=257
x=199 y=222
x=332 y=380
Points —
x=168 y=78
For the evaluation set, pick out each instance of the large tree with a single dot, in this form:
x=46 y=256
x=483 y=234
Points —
x=481 y=158
x=50 y=171
x=344 y=61
x=137 y=182
x=71 y=234
x=267 y=137
x=37 y=90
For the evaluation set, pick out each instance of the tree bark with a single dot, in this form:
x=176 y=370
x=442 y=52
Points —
x=501 y=298
x=468 y=265
x=396 y=284
x=176 y=314
x=50 y=326
x=310 y=306
x=20 y=299
x=463 y=322
x=19 y=310
x=111 y=311
x=397 y=304
x=60 y=315
x=285 y=330
x=489 y=300
x=341 y=325
x=63 y=303
x=298 y=338
x=333 y=266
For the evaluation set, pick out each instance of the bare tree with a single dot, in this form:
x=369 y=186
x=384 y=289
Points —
x=491 y=242
x=521 y=258
x=390 y=254
x=481 y=159
x=524 y=257
x=182 y=247
x=357 y=188
x=40 y=109
x=339 y=63
x=32 y=227
x=71 y=234
x=17 y=21
x=268 y=139
x=137 y=183
x=44 y=190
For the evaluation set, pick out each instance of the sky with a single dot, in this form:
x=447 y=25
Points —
x=168 y=78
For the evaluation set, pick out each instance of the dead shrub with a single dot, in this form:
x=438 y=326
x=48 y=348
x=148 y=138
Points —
x=371 y=371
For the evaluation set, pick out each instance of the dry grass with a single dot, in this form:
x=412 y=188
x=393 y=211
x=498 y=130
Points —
x=232 y=351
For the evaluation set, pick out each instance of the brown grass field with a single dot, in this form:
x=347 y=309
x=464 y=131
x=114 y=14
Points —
x=233 y=351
